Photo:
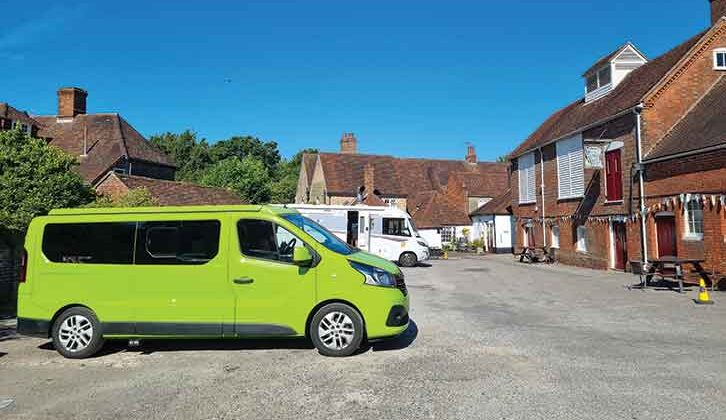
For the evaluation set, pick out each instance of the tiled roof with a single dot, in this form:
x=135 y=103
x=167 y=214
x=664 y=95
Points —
x=402 y=177
x=498 y=205
x=627 y=94
x=175 y=193
x=704 y=126
x=108 y=138
x=7 y=111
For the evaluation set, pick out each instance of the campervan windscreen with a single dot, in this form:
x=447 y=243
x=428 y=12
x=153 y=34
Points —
x=413 y=227
x=320 y=234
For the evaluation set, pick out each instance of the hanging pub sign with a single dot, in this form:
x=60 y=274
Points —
x=593 y=156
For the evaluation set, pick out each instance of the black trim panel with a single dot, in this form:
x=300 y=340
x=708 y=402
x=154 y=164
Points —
x=263 y=329
x=195 y=329
x=397 y=317
x=34 y=327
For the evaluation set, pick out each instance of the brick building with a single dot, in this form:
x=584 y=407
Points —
x=106 y=144
x=102 y=142
x=439 y=194
x=655 y=126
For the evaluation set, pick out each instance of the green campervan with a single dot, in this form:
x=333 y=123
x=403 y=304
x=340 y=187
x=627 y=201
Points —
x=206 y=271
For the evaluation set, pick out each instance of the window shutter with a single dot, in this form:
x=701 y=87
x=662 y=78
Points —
x=526 y=178
x=570 y=168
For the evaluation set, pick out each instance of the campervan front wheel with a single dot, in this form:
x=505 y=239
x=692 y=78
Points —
x=407 y=259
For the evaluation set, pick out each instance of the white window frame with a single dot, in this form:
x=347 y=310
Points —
x=555 y=236
x=527 y=184
x=689 y=233
x=570 y=168
x=600 y=85
x=716 y=53
x=581 y=245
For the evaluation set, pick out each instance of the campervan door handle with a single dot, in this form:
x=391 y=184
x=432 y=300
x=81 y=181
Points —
x=243 y=280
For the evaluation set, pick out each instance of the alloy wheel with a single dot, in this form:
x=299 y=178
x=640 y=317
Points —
x=75 y=333
x=336 y=330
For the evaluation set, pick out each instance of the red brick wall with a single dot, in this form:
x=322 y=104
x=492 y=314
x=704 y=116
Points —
x=621 y=129
x=675 y=96
x=703 y=173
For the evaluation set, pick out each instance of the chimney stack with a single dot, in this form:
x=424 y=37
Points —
x=470 y=154
x=348 y=143
x=71 y=102
x=369 y=180
x=718 y=10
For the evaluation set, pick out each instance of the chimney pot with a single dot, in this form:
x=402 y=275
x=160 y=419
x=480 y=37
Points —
x=470 y=154
x=718 y=10
x=348 y=143
x=71 y=102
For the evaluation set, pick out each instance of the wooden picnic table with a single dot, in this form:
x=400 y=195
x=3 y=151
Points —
x=532 y=255
x=659 y=264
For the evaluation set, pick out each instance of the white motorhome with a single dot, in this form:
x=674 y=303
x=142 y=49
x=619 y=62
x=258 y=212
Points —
x=388 y=232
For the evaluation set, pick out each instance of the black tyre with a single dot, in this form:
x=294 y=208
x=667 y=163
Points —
x=337 y=330
x=408 y=259
x=77 y=333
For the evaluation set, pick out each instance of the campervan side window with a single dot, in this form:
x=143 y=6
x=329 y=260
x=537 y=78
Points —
x=177 y=242
x=89 y=243
x=396 y=227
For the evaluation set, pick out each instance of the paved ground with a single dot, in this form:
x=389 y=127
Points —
x=492 y=339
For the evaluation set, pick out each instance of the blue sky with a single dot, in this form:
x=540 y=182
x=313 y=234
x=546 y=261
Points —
x=410 y=78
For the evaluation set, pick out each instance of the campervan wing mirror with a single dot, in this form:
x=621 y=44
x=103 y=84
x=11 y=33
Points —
x=301 y=256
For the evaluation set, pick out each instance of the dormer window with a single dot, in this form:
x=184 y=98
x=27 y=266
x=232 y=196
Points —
x=599 y=79
x=719 y=59
x=609 y=71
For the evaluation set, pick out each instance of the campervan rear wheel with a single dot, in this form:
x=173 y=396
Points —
x=407 y=259
x=77 y=333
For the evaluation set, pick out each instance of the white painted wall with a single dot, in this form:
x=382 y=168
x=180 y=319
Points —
x=502 y=229
x=432 y=237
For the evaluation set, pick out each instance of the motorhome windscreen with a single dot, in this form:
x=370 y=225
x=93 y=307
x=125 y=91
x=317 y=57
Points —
x=320 y=234
x=413 y=228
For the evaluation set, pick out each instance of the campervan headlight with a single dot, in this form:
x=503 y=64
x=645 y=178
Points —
x=374 y=275
x=423 y=244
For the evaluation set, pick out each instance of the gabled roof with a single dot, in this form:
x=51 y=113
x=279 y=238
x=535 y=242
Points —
x=629 y=93
x=401 y=177
x=610 y=57
x=308 y=161
x=704 y=126
x=498 y=205
x=175 y=193
x=7 y=111
x=108 y=138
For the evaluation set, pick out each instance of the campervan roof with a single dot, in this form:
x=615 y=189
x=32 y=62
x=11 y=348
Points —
x=170 y=209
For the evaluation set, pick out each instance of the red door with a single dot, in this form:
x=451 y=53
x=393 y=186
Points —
x=621 y=248
x=613 y=175
x=666 y=227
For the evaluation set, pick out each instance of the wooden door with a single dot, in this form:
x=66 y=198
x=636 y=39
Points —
x=620 y=245
x=666 y=230
x=613 y=175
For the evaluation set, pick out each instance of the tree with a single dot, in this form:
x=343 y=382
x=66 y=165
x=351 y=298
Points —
x=248 y=177
x=190 y=155
x=503 y=159
x=35 y=178
x=285 y=186
x=242 y=147
x=137 y=197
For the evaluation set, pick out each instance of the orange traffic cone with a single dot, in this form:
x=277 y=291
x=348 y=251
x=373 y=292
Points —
x=703 y=298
